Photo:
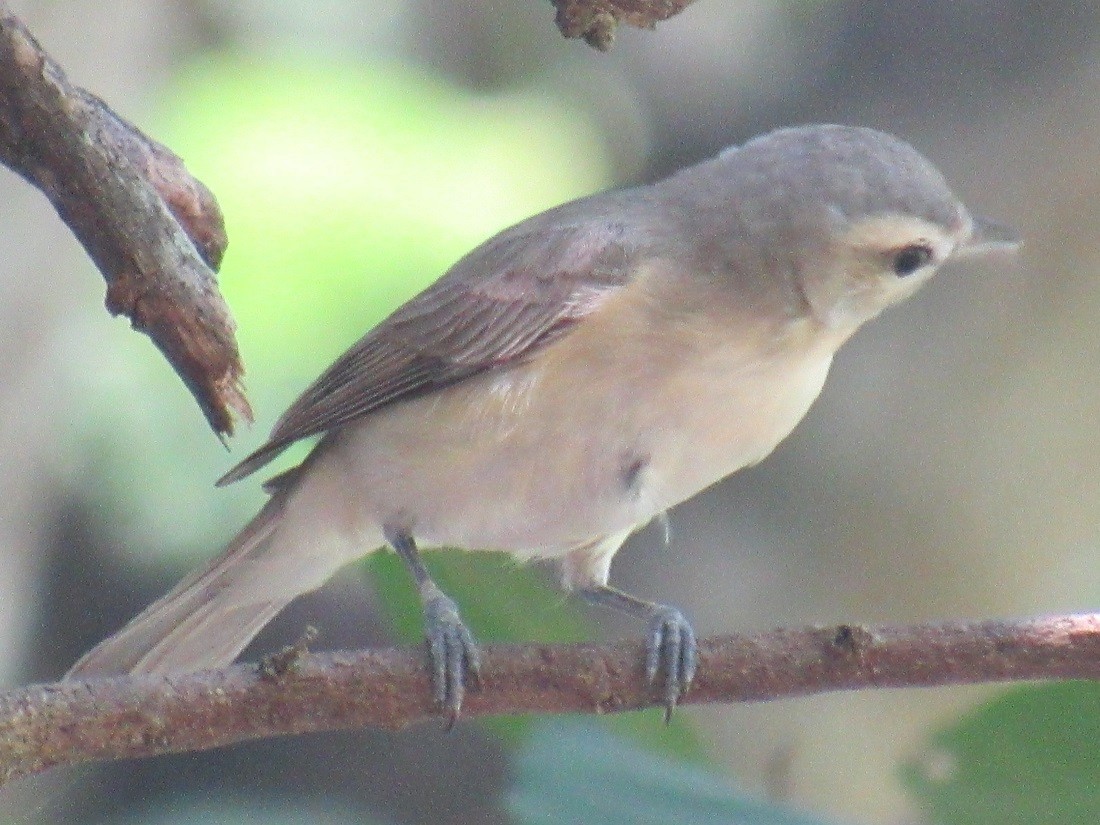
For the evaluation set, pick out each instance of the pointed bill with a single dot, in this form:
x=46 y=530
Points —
x=989 y=236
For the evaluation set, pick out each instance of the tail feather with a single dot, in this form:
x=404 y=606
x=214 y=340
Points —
x=203 y=622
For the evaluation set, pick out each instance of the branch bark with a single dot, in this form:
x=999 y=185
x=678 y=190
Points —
x=42 y=726
x=153 y=230
x=596 y=20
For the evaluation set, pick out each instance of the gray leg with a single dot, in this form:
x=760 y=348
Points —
x=452 y=651
x=670 y=640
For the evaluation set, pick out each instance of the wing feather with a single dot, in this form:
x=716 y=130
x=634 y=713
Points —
x=505 y=300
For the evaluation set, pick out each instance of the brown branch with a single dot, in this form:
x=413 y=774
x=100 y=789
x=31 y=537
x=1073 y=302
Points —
x=71 y=722
x=152 y=229
x=596 y=20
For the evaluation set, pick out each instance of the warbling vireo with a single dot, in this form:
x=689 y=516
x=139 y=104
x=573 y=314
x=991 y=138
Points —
x=568 y=381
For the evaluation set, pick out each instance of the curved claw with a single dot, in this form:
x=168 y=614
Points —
x=671 y=648
x=453 y=657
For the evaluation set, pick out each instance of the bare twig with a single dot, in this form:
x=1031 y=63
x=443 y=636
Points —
x=46 y=725
x=152 y=229
x=595 y=20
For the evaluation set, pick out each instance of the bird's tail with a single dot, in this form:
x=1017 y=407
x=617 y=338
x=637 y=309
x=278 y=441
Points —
x=208 y=618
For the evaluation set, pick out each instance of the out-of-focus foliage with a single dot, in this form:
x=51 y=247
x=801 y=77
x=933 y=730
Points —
x=348 y=188
x=1030 y=757
x=207 y=813
x=573 y=772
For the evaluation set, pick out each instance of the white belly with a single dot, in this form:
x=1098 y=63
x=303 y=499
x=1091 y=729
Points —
x=624 y=417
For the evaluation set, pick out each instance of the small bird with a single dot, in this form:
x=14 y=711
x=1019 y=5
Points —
x=570 y=380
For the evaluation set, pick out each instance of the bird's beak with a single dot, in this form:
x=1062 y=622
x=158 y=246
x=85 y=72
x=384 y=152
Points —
x=989 y=236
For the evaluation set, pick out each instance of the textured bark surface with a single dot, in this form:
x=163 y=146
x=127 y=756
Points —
x=71 y=722
x=153 y=230
x=596 y=20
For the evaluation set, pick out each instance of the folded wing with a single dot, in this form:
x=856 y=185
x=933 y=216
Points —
x=504 y=301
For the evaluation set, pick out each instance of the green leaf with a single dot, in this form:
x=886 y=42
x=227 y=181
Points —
x=1029 y=757
x=570 y=772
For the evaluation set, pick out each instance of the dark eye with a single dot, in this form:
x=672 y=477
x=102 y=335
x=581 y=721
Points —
x=909 y=259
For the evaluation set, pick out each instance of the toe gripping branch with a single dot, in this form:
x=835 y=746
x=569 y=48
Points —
x=454 y=661
x=453 y=658
x=670 y=644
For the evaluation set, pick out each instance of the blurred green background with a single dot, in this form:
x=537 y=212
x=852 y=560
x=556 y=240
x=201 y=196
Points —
x=357 y=149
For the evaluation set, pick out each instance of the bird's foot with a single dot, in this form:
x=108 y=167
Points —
x=453 y=657
x=671 y=650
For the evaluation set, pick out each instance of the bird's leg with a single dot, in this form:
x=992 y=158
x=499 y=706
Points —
x=452 y=651
x=670 y=641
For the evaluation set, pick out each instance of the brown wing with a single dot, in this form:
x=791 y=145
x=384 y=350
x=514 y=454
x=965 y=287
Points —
x=503 y=301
